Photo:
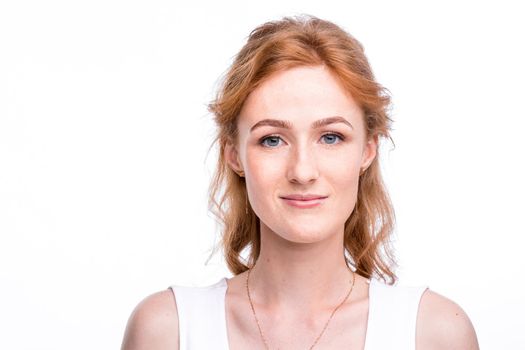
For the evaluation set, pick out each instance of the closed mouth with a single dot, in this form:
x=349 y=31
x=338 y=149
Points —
x=307 y=197
x=303 y=203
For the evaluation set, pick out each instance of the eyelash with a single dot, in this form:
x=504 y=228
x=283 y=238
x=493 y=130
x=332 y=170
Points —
x=341 y=137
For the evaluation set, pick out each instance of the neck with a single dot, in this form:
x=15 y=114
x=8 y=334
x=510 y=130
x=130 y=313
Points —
x=302 y=276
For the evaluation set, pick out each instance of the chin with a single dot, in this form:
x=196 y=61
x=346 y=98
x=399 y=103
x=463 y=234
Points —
x=304 y=236
x=299 y=231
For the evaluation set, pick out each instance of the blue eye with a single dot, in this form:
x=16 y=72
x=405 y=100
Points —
x=274 y=141
x=332 y=138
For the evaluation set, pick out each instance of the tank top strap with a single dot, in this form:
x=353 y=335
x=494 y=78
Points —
x=202 y=316
x=392 y=316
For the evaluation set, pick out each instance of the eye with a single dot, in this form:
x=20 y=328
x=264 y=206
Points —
x=331 y=138
x=272 y=141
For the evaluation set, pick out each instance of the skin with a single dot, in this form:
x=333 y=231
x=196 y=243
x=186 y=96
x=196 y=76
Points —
x=301 y=274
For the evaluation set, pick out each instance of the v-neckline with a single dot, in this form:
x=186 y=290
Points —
x=224 y=283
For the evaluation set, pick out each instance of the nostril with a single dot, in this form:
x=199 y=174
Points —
x=302 y=174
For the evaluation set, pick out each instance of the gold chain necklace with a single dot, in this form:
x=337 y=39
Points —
x=326 y=324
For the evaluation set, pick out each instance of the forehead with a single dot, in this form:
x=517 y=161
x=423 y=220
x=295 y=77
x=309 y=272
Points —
x=300 y=95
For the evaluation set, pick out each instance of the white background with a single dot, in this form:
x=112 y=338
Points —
x=104 y=162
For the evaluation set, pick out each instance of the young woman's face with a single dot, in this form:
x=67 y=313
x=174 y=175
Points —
x=300 y=134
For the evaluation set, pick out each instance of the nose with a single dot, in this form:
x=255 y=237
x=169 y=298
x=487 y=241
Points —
x=302 y=165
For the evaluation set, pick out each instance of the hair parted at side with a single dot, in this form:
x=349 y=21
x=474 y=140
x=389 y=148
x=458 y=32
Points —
x=276 y=46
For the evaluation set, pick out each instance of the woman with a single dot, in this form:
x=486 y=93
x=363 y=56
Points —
x=300 y=117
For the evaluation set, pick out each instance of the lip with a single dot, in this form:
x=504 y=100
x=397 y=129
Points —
x=304 y=201
x=303 y=197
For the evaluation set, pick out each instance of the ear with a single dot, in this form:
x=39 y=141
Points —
x=369 y=152
x=231 y=155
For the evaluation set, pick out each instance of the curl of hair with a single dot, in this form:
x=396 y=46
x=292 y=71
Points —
x=280 y=45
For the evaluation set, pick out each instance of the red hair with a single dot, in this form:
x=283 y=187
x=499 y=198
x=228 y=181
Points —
x=281 y=45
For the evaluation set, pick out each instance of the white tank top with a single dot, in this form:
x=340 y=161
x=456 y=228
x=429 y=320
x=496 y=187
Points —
x=391 y=324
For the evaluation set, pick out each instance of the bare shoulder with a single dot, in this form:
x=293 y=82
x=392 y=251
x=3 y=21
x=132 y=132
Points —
x=442 y=324
x=154 y=324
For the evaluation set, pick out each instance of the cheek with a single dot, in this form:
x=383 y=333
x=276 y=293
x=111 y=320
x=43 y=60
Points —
x=342 y=167
x=263 y=176
x=342 y=174
x=346 y=182
x=264 y=168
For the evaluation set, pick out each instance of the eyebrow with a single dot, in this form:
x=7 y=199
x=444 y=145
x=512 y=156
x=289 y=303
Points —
x=284 y=124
